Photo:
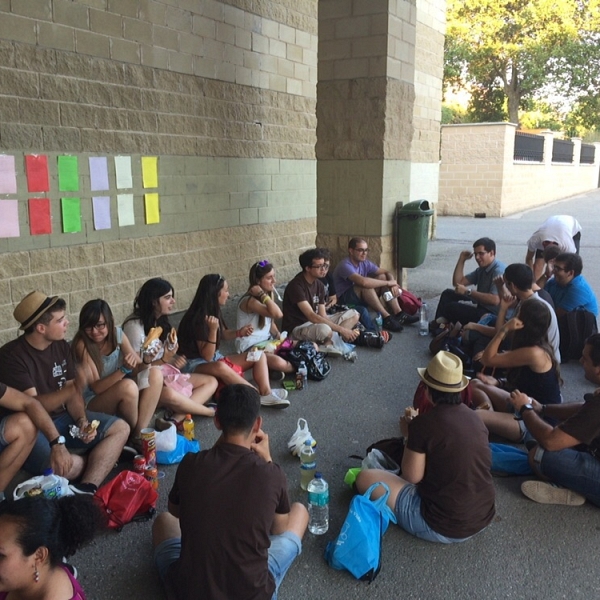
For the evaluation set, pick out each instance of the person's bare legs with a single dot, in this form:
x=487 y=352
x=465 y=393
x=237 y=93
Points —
x=498 y=398
x=20 y=433
x=222 y=372
x=276 y=363
x=103 y=457
x=502 y=424
x=119 y=399
x=371 y=299
x=165 y=527
x=296 y=521
x=260 y=370
x=204 y=387
x=149 y=398
x=367 y=477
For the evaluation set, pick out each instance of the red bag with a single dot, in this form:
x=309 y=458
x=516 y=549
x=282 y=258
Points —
x=409 y=303
x=424 y=404
x=128 y=497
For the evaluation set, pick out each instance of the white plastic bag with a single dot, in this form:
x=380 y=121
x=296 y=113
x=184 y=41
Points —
x=380 y=460
x=166 y=440
x=301 y=434
x=50 y=486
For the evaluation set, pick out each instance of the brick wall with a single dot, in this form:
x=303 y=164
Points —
x=223 y=93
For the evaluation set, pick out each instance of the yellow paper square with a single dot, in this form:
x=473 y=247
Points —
x=152 y=209
x=150 y=171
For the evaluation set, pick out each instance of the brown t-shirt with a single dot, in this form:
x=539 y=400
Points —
x=584 y=425
x=227 y=498
x=457 y=491
x=299 y=290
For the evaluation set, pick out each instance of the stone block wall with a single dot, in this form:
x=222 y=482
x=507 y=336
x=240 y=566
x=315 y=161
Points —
x=479 y=175
x=222 y=92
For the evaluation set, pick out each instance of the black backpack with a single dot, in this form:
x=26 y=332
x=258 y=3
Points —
x=317 y=365
x=575 y=327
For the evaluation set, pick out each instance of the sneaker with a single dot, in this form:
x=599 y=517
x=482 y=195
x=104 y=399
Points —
x=392 y=324
x=273 y=400
x=406 y=319
x=330 y=349
x=83 y=488
x=127 y=454
x=550 y=493
x=276 y=375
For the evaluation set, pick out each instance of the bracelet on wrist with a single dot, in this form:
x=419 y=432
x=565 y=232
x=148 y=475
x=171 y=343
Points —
x=265 y=299
x=238 y=333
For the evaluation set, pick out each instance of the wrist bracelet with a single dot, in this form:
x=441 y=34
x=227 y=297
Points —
x=238 y=334
x=265 y=299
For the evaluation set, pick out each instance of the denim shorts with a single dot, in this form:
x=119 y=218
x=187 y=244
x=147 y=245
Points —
x=282 y=553
x=577 y=471
x=408 y=513
x=192 y=363
x=39 y=457
x=3 y=442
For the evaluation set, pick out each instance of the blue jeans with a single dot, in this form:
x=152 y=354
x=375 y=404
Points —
x=285 y=548
x=350 y=299
x=192 y=363
x=39 y=457
x=408 y=513
x=577 y=471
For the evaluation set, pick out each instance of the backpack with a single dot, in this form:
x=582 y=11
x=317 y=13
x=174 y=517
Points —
x=409 y=303
x=574 y=328
x=126 y=498
x=317 y=365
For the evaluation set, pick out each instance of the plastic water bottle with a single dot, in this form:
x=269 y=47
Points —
x=188 y=428
x=379 y=322
x=308 y=463
x=318 y=505
x=423 y=320
x=301 y=376
x=51 y=485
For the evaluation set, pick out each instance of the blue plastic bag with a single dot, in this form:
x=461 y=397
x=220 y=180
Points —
x=181 y=449
x=358 y=546
x=510 y=460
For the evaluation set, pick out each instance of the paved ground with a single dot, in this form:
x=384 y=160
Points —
x=530 y=551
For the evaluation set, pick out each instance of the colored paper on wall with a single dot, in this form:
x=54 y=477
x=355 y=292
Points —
x=98 y=173
x=8 y=175
x=40 y=221
x=9 y=223
x=71 y=214
x=68 y=174
x=101 y=208
x=36 y=168
x=150 y=171
x=125 y=210
x=123 y=172
x=152 y=209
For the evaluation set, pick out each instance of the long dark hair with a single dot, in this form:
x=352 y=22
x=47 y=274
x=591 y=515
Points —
x=204 y=304
x=62 y=525
x=536 y=319
x=89 y=316
x=145 y=304
x=257 y=272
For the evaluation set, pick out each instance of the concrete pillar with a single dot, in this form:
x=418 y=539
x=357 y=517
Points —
x=378 y=115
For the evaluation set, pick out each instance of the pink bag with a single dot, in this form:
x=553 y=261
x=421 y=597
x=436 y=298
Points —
x=176 y=380
x=409 y=303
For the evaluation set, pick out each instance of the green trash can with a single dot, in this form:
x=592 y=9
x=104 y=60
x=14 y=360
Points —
x=412 y=233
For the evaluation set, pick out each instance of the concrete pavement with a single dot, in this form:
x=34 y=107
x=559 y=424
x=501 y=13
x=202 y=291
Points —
x=530 y=551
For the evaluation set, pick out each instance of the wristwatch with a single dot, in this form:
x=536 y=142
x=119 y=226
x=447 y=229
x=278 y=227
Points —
x=469 y=290
x=525 y=407
x=59 y=440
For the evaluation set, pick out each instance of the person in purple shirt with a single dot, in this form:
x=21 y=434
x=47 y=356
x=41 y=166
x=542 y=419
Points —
x=361 y=283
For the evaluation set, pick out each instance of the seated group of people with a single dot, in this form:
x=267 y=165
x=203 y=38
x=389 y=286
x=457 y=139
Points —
x=445 y=492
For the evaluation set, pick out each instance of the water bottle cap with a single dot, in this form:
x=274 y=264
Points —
x=188 y=417
x=318 y=475
x=48 y=471
x=308 y=442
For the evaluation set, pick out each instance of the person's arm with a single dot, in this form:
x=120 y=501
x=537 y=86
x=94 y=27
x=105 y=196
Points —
x=173 y=509
x=483 y=329
x=349 y=335
x=208 y=348
x=98 y=385
x=529 y=258
x=61 y=460
x=458 y=276
x=372 y=282
x=260 y=446
x=258 y=302
x=550 y=438
x=512 y=358
x=488 y=298
x=413 y=466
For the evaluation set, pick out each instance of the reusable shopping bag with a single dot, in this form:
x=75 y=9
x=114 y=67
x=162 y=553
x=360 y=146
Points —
x=509 y=460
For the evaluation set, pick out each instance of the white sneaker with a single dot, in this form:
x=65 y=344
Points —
x=331 y=350
x=276 y=399
x=550 y=493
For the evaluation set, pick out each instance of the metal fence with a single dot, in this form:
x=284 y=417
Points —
x=588 y=154
x=528 y=147
x=562 y=151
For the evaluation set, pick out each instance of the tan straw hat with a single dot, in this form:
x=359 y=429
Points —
x=444 y=373
x=32 y=307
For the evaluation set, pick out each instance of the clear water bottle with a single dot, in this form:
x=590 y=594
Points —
x=301 y=376
x=423 y=320
x=51 y=485
x=308 y=463
x=379 y=322
x=318 y=505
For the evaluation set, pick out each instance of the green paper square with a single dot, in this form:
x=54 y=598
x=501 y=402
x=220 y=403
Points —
x=68 y=174
x=71 y=214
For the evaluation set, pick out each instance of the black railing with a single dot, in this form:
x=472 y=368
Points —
x=528 y=147
x=562 y=151
x=588 y=154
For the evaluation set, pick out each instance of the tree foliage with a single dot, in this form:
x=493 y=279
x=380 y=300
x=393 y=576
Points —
x=523 y=48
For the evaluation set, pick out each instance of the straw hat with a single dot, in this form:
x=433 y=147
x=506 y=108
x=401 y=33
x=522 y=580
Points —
x=444 y=373
x=32 y=307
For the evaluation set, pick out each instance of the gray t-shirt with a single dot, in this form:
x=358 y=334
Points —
x=483 y=278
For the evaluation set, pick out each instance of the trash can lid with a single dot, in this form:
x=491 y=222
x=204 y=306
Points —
x=419 y=207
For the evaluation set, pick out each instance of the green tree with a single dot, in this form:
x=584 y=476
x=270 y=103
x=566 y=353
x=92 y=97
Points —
x=519 y=46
